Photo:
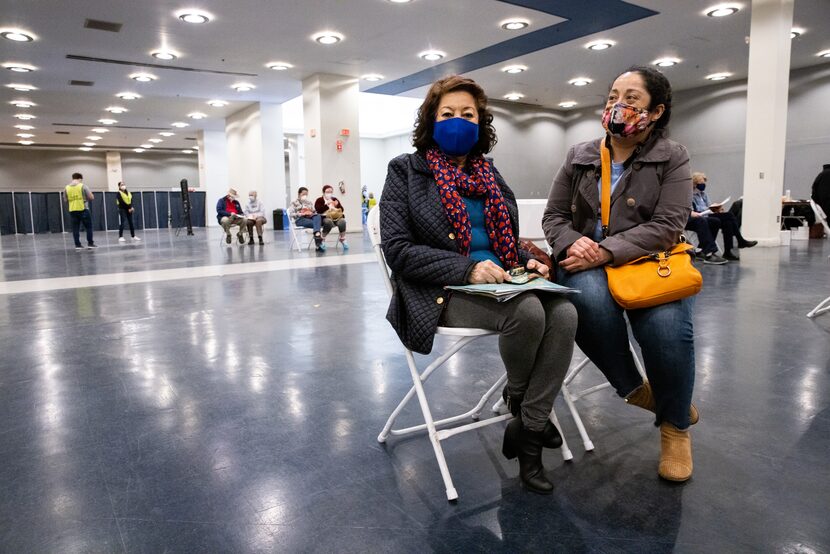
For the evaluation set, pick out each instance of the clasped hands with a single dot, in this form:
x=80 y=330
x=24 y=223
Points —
x=585 y=254
x=488 y=272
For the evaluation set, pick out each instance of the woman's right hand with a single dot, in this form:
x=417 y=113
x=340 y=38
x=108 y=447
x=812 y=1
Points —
x=584 y=248
x=487 y=272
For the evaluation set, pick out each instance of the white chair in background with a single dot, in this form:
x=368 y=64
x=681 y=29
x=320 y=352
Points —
x=298 y=232
x=821 y=217
x=464 y=337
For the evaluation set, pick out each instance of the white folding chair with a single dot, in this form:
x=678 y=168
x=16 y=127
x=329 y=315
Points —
x=297 y=232
x=823 y=306
x=465 y=336
x=243 y=228
x=821 y=217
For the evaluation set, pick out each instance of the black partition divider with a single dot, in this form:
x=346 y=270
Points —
x=23 y=215
x=148 y=201
x=197 y=209
x=162 y=205
x=7 y=226
x=96 y=210
x=176 y=210
x=40 y=212
x=53 y=212
x=138 y=207
x=112 y=210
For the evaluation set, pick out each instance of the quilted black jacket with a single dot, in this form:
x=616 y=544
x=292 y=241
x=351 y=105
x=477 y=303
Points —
x=419 y=245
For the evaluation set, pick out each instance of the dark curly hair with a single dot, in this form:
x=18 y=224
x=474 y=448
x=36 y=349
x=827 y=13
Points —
x=425 y=121
x=658 y=88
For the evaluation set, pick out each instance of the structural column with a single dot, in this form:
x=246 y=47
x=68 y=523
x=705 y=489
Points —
x=331 y=105
x=213 y=169
x=766 y=118
x=114 y=172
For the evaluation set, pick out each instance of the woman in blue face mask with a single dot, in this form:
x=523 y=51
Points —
x=448 y=218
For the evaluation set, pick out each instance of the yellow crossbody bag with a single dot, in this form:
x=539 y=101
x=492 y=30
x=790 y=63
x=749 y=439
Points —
x=651 y=280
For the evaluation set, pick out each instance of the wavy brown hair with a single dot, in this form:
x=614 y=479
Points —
x=425 y=120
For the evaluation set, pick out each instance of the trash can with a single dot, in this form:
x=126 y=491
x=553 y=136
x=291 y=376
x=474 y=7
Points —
x=279 y=219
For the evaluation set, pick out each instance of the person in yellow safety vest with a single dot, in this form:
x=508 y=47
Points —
x=124 y=201
x=78 y=197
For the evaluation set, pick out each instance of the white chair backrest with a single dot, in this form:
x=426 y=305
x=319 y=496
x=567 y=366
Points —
x=373 y=225
x=530 y=218
x=821 y=217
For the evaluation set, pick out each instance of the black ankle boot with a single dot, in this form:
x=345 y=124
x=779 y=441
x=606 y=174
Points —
x=527 y=445
x=551 y=439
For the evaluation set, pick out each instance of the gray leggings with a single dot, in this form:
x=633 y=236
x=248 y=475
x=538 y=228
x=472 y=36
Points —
x=536 y=342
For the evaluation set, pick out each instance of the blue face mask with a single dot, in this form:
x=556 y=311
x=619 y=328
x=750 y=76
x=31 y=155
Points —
x=455 y=136
x=701 y=186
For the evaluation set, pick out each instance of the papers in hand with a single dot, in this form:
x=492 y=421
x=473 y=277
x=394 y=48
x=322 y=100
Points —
x=505 y=291
x=721 y=203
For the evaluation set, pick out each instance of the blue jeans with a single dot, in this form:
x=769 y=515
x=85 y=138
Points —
x=663 y=332
x=78 y=218
x=314 y=222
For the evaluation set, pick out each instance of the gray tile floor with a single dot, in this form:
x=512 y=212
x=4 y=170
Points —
x=240 y=414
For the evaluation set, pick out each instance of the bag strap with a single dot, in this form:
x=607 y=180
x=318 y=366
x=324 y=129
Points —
x=605 y=177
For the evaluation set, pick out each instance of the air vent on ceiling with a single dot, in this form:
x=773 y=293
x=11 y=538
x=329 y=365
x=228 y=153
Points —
x=61 y=132
x=99 y=25
x=157 y=66
x=76 y=83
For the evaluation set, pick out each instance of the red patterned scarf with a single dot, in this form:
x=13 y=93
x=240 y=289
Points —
x=453 y=183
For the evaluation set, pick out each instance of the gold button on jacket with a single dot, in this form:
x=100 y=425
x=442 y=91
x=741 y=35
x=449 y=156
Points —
x=439 y=300
x=630 y=202
x=452 y=236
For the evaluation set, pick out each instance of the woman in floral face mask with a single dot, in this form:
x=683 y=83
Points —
x=650 y=203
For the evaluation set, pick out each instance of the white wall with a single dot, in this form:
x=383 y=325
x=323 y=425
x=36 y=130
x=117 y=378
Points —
x=158 y=171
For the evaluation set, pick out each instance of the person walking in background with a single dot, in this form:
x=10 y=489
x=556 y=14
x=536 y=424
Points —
x=228 y=214
x=78 y=197
x=124 y=201
x=255 y=214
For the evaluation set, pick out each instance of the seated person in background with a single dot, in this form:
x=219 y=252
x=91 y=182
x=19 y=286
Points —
x=302 y=210
x=729 y=225
x=707 y=233
x=332 y=211
x=228 y=213
x=255 y=214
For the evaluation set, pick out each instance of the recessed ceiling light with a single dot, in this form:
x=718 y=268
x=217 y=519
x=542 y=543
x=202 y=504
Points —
x=22 y=104
x=187 y=151
x=327 y=37
x=514 y=68
x=666 y=62
x=196 y=115
x=217 y=103
x=139 y=150
x=580 y=81
x=167 y=134
x=25 y=135
x=143 y=77
x=601 y=44
x=278 y=66
x=21 y=88
x=17 y=35
x=179 y=124
x=116 y=109
x=242 y=87
x=824 y=54
x=567 y=104
x=797 y=32
x=400 y=1
x=128 y=96
x=24 y=127
x=722 y=10
x=718 y=76
x=194 y=16
x=514 y=24
x=373 y=77
x=100 y=130
x=147 y=145
x=154 y=140
x=25 y=116
x=88 y=143
x=514 y=96
x=165 y=55
x=25 y=142
x=93 y=137
x=106 y=121
x=19 y=67
x=85 y=148
x=431 y=55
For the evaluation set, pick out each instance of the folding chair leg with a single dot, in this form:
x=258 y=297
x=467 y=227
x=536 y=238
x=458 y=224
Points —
x=586 y=440
x=495 y=388
x=433 y=437
x=565 y=451
x=822 y=307
x=637 y=362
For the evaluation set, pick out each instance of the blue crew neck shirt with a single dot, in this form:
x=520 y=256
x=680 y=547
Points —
x=480 y=247
x=617 y=170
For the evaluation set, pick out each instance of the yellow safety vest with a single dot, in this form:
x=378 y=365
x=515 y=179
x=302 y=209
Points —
x=126 y=198
x=75 y=197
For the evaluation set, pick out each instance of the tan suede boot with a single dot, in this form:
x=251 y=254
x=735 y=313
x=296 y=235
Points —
x=643 y=397
x=675 y=453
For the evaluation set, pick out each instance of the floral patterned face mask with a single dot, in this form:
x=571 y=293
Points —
x=623 y=120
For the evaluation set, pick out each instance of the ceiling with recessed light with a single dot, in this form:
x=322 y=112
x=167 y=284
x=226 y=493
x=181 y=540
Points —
x=270 y=47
